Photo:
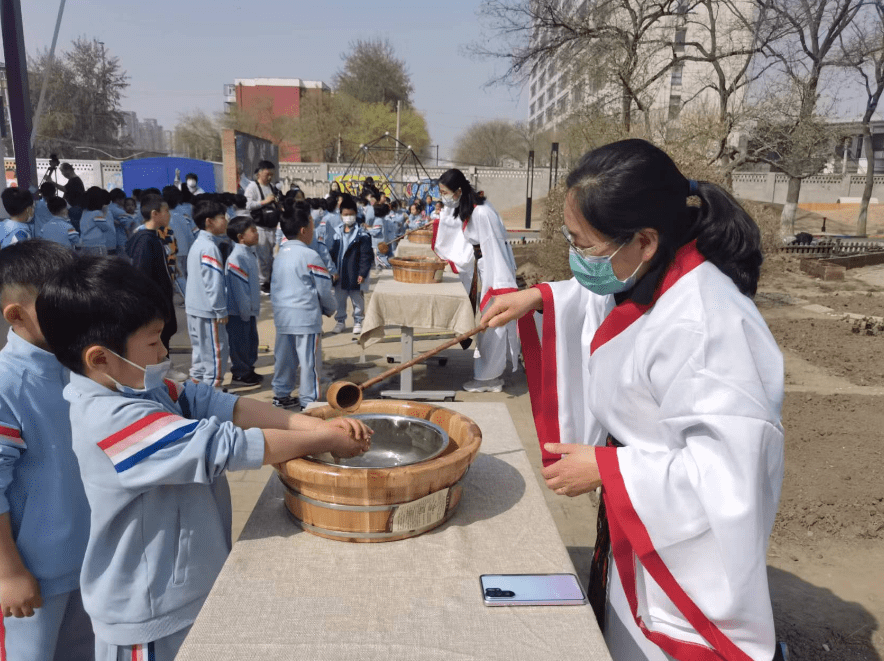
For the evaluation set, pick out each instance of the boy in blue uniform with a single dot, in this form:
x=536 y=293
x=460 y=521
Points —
x=301 y=292
x=19 y=204
x=243 y=300
x=124 y=224
x=153 y=456
x=57 y=229
x=352 y=254
x=44 y=516
x=205 y=298
x=96 y=228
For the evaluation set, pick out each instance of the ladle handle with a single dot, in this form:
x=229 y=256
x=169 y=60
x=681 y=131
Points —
x=419 y=227
x=422 y=357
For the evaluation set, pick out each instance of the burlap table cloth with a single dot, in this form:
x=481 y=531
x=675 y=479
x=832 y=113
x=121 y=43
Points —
x=286 y=594
x=439 y=306
x=408 y=248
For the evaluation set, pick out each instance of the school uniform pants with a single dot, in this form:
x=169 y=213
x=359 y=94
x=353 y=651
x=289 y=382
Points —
x=358 y=298
x=290 y=352
x=264 y=252
x=58 y=631
x=243 y=341
x=210 y=350
x=163 y=649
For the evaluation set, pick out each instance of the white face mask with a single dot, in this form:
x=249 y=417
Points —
x=349 y=221
x=191 y=184
x=153 y=376
x=449 y=201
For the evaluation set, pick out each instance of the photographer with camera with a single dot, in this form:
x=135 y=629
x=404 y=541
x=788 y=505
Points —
x=262 y=202
x=73 y=190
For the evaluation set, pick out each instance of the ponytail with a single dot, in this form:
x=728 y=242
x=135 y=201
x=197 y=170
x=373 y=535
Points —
x=728 y=237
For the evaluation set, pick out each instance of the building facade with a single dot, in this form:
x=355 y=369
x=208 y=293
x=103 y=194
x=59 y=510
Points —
x=267 y=99
x=573 y=80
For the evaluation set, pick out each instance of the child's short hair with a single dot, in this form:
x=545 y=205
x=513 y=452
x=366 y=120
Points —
x=172 y=196
x=240 y=201
x=206 y=209
x=136 y=194
x=238 y=226
x=191 y=175
x=17 y=200
x=322 y=204
x=150 y=203
x=55 y=205
x=381 y=210
x=47 y=190
x=295 y=218
x=394 y=205
x=348 y=203
x=95 y=198
x=227 y=199
x=96 y=300
x=32 y=263
x=117 y=195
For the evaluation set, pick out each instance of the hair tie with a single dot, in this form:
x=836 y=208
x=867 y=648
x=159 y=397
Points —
x=693 y=186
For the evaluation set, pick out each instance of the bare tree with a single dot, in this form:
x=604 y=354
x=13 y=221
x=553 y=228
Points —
x=373 y=74
x=491 y=143
x=802 y=57
x=198 y=136
x=863 y=50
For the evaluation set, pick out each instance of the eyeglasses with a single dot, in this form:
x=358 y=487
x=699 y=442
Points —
x=583 y=252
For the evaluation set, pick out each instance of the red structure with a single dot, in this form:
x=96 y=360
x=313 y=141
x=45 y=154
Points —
x=268 y=99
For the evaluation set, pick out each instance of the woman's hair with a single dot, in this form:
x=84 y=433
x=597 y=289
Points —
x=455 y=180
x=630 y=185
x=95 y=198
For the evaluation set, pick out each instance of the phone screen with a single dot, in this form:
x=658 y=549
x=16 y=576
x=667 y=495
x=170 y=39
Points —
x=532 y=590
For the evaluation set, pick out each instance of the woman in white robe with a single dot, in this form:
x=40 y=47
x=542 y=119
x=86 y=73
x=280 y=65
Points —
x=472 y=237
x=655 y=377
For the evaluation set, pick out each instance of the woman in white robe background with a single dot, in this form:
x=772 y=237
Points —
x=656 y=378
x=467 y=221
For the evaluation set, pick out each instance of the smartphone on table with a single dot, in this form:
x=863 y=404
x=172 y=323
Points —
x=532 y=590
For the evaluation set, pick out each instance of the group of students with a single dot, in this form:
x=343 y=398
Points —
x=115 y=514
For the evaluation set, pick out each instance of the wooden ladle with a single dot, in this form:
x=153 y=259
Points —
x=346 y=396
x=384 y=247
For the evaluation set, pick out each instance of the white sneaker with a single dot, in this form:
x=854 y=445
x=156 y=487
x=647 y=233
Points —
x=357 y=329
x=339 y=327
x=491 y=385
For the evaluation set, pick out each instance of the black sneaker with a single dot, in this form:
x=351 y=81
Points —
x=290 y=403
x=259 y=378
x=247 y=380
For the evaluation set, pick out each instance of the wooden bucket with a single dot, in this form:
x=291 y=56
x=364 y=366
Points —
x=421 y=236
x=417 y=270
x=382 y=504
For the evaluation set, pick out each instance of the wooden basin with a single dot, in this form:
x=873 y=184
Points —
x=417 y=270
x=421 y=236
x=382 y=504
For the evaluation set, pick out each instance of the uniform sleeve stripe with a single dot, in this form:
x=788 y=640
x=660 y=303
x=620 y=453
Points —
x=175 y=389
x=319 y=270
x=211 y=261
x=237 y=275
x=237 y=269
x=152 y=445
x=11 y=434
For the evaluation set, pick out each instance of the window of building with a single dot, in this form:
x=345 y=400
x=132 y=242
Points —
x=563 y=105
x=677 y=73
x=681 y=36
x=549 y=114
x=532 y=110
x=674 y=106
x=681 y=7
x=578 y=94
x=551 y=92
x=540 y=101
x=542 y=80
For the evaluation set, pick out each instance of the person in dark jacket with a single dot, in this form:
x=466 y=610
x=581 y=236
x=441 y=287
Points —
x=353 y=256
x=148 y=254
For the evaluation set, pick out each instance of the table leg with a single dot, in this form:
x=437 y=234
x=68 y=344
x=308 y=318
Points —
x=406 y=376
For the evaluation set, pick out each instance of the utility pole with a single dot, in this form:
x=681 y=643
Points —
x=19 y=92
x=339 y=148
x=529 y=192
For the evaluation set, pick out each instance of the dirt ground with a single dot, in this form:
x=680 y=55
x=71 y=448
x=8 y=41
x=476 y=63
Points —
x=826 y=561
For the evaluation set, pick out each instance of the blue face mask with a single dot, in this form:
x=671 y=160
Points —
x=153 y=376
x=597 y=273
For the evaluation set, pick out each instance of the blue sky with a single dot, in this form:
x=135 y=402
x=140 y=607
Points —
x=179 y=54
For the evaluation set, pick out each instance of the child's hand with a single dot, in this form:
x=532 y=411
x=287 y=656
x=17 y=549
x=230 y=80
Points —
x=349 y=437
x=20 y=594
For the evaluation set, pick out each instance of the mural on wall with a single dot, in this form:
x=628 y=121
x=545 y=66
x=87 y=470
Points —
x=251 y=150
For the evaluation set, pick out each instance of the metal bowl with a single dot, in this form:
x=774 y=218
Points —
x=398 y=440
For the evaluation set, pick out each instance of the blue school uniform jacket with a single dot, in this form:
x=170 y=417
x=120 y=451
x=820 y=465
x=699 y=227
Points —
x=40 y=483
x=124 y=225
x=206 y=293
x=97 y=230
x=12 y=231
x=153 y=469
x=60 y=231
x=243 y=285
x=301 y=290
x=353 y=256
x=185 y=231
